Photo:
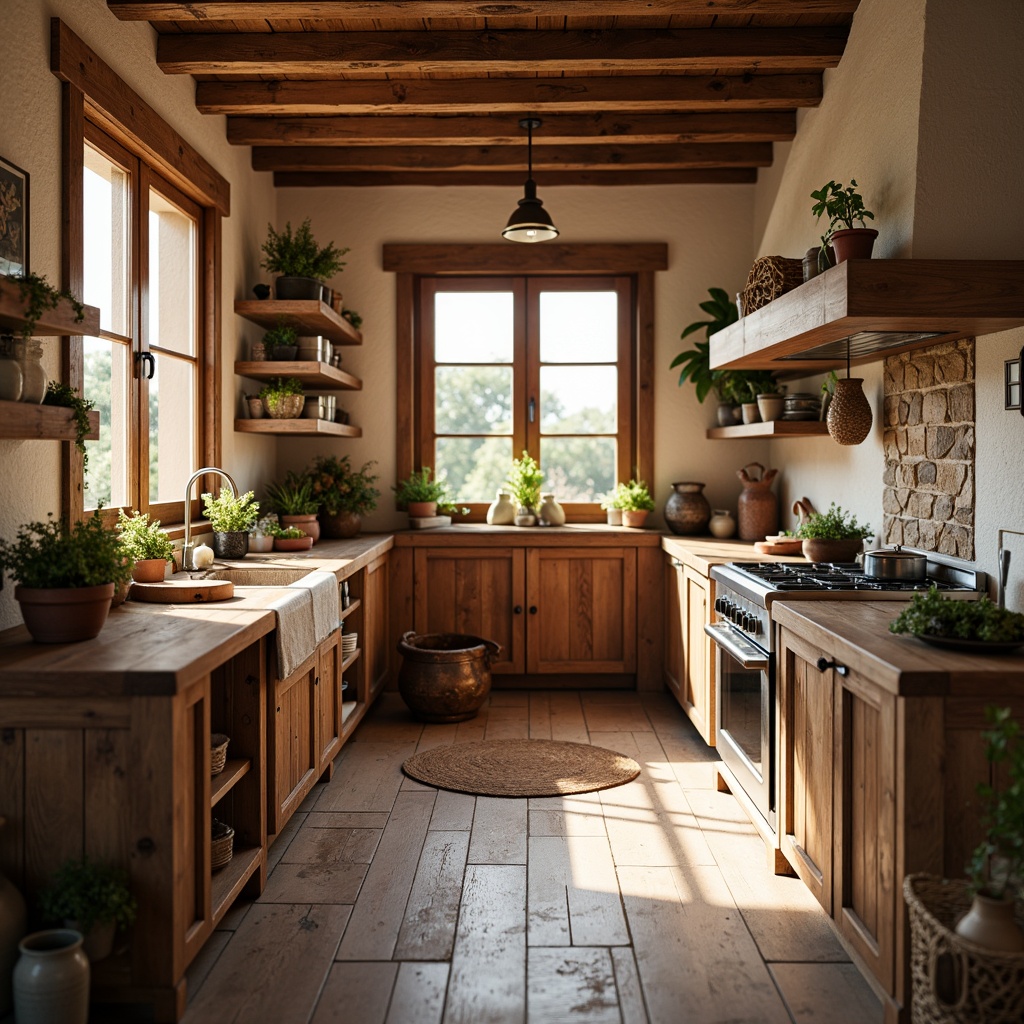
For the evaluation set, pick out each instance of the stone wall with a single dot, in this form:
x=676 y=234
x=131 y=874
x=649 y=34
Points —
x=928 y=500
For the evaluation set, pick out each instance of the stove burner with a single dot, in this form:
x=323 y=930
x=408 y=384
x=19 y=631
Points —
x=804 y=576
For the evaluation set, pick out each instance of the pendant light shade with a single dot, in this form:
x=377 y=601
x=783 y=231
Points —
x=529 y=221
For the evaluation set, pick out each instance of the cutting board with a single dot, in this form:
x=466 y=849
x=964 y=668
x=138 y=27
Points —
x=779 y=547
x=428 y=522
x=183 y=592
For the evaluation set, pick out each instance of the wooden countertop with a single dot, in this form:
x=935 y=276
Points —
x=583 y=534
x=700 y=553
x=151 y=649
x=856 y=633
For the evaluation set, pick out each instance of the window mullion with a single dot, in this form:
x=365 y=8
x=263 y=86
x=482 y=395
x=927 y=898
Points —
x=141 y=384
x=527 y=377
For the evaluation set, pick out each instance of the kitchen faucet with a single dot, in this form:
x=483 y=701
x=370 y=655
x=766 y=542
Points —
x=187 y=561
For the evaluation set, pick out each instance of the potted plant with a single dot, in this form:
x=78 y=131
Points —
x=524 y=482
x=832 y=536
x=419 y=495
x=302 y=266
x=145 y=545
x=65 y=575
x=230 y=518
x=634 y=500
x=844 y=206
x=289 y=538
x=612 y=511
x=282 y=398
x=296 y=504
x=828 y=389
x=770 y=396
x=281 y=342
x=261 y=540
x=344 y=494
x=91 y=898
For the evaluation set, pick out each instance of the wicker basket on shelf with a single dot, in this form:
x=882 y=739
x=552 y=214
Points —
x=956 y=981
x=770 y=277
x=218 y=752
x=222 y=842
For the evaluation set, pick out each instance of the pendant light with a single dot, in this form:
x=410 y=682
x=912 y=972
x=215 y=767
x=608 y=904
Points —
x=529 y=222
x=849 y=414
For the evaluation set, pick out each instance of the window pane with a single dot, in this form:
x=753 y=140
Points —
x=578 y=468
x=475 y=467
x=107 y=263
x=473 y=327
x=578 y=399
x=172 y=434
x=473 y=400
x=579 y=327
x=106 y=380
x=172 y=277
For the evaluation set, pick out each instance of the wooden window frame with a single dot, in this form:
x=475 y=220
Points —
x=411 y=263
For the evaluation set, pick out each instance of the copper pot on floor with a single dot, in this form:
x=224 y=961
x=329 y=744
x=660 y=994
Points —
x=445 y=677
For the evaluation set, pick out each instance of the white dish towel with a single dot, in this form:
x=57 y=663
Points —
x=296 y=638
x=326 y=607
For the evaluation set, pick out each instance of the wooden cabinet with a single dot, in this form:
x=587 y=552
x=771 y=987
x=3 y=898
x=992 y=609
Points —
x=328 y=703
x=376 y=643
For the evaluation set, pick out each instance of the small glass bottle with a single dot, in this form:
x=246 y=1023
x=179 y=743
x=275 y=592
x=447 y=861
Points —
x=33 y=376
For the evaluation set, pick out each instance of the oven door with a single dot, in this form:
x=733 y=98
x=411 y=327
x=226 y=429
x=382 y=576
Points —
x=745 y=714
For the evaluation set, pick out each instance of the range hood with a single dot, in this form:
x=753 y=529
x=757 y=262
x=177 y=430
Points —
x=880 y=307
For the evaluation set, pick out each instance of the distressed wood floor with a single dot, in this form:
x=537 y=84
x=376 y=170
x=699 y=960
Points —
x=393 y=903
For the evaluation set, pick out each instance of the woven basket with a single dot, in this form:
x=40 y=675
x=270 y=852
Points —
x=770 y=277
x=218 y=752
x=849 y=413
x=288 y=407
x=222 y=842
x=956 y=981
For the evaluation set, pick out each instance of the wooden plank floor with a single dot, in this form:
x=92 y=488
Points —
x=393 y=903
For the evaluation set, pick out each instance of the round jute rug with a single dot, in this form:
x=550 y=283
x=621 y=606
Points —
x=521 y=768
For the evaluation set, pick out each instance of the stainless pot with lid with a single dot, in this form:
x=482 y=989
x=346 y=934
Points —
x=895 y=564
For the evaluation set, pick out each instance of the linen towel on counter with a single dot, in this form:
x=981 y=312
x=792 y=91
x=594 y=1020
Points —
x=296 y=637
x=326 y=606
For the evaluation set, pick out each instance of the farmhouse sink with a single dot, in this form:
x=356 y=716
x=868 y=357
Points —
x=260 y=576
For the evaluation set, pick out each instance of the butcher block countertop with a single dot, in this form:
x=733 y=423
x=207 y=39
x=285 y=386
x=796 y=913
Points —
x=158 y=649
x=700 y=553
x=856 y=634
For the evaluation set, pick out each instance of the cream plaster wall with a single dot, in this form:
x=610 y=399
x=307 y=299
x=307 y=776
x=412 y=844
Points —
x=706 y=227
x=30 y=138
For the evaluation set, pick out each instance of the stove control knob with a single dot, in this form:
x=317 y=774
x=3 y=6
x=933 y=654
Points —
x=755 y=626
x=748 y=621
x=720 y=603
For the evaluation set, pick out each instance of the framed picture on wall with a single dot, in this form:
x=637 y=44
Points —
x=13 y=219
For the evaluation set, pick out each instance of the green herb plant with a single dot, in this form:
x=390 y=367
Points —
x=828 y=385
x=931 y=614
x=420 y=487
x=279 y=532
x=352 y=317
x=228 y=514
x=294 y=497
x=88 y=893
x=695 y=363
x=843 y=206
x=68 y=397
x=833 y=525
x=39 y=295
x=280 y=387
x=53 y=554
x=142 y=539
x=281 y=336
x=340 y=488
x=524 y=481
x=299 y=255
x=633 y=497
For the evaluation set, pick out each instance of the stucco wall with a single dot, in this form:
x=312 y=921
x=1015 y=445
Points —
x=30 y=138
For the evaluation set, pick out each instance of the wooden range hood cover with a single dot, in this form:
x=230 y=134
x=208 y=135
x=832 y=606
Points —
x=881 y=306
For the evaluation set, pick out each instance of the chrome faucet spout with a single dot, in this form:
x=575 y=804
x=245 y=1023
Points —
x=187 y=560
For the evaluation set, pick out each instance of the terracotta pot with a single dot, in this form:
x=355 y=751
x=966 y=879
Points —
x=445 y=677
x=421 y=509
x=64 y=615
x=853 y=243
x=757 y=508
x=309 y=524
x=687 y=510
x=149 y=570
x=340 y=525
x=293 y=543
x=849 y=413
x=990 y=923
x=832 y=550
x=51 y=981
x=635 y=518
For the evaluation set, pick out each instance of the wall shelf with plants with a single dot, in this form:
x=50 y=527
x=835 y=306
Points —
x=24 y=421
x=308 y=317
x=319 y=375
x=54 y=322
x=297 y=428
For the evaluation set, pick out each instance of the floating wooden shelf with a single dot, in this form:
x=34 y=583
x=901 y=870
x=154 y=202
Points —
x=351 y=659
x=222 y=784
x=346 y=612
x=774 y=428
x=53 y=323
x=25 y=421
x=308 y=316
x=297 y=428
x=227 y=883
x=320 y=376
x=347 y=708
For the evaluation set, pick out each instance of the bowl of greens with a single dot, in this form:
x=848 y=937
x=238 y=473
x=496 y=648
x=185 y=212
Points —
x=980 y=627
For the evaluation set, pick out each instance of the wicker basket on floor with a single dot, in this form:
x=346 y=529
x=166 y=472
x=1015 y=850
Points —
x=218 y=752
x=956 y=981
x=770 y=277
x=222 y=842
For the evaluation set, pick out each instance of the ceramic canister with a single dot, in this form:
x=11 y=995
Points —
x=51 y=979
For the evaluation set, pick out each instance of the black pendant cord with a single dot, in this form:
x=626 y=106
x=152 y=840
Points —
x=847 y=358
x=529 y=150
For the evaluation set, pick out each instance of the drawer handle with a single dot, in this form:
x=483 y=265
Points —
x=533 y=609
x=823 y=663
x=518 y=610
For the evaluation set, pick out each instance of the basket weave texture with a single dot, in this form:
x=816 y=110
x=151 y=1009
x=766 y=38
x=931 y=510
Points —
x=955 y=981
x=849 y=413
x=221 y=845
x=770 y=277
x=218 y=752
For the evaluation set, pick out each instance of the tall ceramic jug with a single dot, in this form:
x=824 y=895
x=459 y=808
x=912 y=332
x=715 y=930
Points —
x=758 y=510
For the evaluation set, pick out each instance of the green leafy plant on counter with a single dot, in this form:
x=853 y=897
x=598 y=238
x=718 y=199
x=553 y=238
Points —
x=299 y=255
x=294 y=496
x=931 y=614
x=833 y=525
x=420 y=487
x=142 y=539
x=281 y=336
x=88 y=893
x=525 y=480
x=340 y=488
x=633 y=496
x=283 y=532
x=695 y=363
x=842 y=205
x=228 y=514
x=39 y=295
x=68 y=397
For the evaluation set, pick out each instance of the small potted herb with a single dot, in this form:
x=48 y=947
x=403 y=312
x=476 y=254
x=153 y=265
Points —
x=282 y=398
x=230 y=518
x=832 y=536
x=524 y=483
x=302 y=265
x=281 y=342
x=92 y=898
x=419 y=495
x=289 y=538
x=613 y=513
x=634 y=501
x=844 y=206
x=145 y=545
x=65 y=575
x=296 y=504
x=261 y=540
x=345 y=494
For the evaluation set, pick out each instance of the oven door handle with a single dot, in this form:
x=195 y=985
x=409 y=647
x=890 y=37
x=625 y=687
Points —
x=749 y=656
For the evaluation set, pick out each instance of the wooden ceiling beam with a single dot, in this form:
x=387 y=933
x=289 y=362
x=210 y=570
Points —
x=512 y=95
x=557 y=130
x=231 y=10
x=511 y=158
x=512 y=179
x=312 y=53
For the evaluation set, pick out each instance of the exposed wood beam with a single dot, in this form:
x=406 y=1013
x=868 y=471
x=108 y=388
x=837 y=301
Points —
x=312 y=53
x=551 y=258
x=474 y=158
x=230 y=10
x=512 y=95
x=559 y=129
x=512 y=179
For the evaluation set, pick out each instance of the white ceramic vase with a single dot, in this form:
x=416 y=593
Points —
x=501 y=512
x=550 y=512
x=51 y=979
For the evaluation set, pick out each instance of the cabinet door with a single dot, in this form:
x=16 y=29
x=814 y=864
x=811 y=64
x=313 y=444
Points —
x=674 y=663
x=328 y=701
x=477 y=591
x=805 y=764
x=698 y=690
x=582 y=610
x=376 y=651
x=292 y=739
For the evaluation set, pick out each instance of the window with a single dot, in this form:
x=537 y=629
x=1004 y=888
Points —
x=542 y=364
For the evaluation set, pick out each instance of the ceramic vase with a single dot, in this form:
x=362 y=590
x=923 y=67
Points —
x=722 y=525
x=770 y=406
x=687 y=510
x=849 y=414
x=51 y=979
x=990 y=923
x=33 y=376
x=550 y=512
x=12 y=929
x=501 y=511
x=758 y=508
x=614 y=516
x=525 y=517
x=751 y=413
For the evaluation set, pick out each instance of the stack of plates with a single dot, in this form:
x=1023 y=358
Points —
x=802 y=406
x=349 y=642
